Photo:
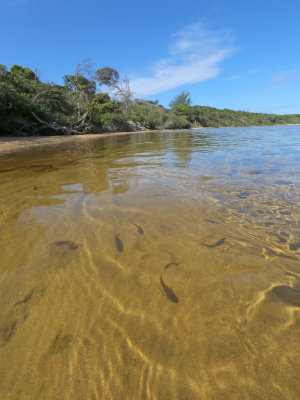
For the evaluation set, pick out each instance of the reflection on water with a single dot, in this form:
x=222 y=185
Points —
x=152 y=266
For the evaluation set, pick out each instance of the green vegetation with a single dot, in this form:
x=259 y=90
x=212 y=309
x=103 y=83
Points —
x=182 y=99
x=99 y=102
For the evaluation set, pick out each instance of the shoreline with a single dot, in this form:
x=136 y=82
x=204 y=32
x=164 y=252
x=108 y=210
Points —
x=15 y=143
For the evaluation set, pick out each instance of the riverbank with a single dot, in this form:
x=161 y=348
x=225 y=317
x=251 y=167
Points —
x=16 y=143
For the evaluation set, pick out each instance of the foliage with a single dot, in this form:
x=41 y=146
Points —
x=213 y=117
x=29 y=106
x=183 y=98
x=177 y=122
x=148 y=114
x=107 y=76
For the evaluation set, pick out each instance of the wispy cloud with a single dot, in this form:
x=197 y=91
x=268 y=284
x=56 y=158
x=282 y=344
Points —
x=195 y=55
x=283 y=78
x=232 y=78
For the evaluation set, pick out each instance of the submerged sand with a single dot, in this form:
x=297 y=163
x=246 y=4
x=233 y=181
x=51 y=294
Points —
x=152 y=267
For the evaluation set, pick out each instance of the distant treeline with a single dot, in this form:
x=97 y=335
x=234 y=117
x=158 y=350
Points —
x=95 y=102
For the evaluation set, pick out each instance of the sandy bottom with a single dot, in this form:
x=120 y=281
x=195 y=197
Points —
x=123 y=282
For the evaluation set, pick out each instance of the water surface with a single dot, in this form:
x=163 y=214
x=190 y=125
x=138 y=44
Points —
x=156 y=266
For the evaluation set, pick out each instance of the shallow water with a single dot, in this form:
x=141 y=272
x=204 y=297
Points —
x=152 y=266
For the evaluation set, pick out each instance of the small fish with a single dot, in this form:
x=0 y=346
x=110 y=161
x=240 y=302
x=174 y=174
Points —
x=243 y=195
x=169 y=292
x=295 y=246
x=67 y=243
x=211 y=246
x=35 y=188
x=139 y=229
x=171 y=265
x=281 y=239
x=211 y=221
x=6 y=331
x=26 y=298
x=253 y=172
x=287 y=294
x=119 y=243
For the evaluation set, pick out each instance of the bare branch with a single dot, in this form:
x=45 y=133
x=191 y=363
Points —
x=55 y=127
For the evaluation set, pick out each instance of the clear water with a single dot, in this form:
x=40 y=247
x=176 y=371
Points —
x=157 y=265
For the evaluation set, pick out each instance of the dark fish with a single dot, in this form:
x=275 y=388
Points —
x=169 y=292
x=219 y=243
x=287 y=294
x=26 y=298
x=7 y=331
x=281 y=239
x=243 y=195
x=171 y=265
x=295 y=246
x=60 y=343
x=211 y=221
x=139 y=229
x=119 y=243
x=253 y=172
x=67 y=243
x=284 y=234
x=35 y=188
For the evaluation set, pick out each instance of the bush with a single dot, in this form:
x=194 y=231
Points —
x=177 y=122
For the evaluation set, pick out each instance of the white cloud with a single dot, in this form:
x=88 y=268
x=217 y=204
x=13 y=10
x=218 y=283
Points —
x=283 y=78
x=194 y=56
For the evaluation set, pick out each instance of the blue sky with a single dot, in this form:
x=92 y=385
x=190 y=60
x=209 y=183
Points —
x=237 y=54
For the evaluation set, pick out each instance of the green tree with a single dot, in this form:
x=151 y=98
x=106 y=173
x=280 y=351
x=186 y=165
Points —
x=107 y=76
x=183 y=98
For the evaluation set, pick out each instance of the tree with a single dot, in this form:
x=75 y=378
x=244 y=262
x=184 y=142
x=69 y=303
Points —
x=18 y=72
x=122 y=91
x=3 y=71
x=119 y=90
x=107 y=76
x=79 y=83
x=182 y=98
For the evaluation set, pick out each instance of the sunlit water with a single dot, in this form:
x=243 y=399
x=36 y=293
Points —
x=152 y=266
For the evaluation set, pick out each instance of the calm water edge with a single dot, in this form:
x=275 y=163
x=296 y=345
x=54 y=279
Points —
x=156 y=266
